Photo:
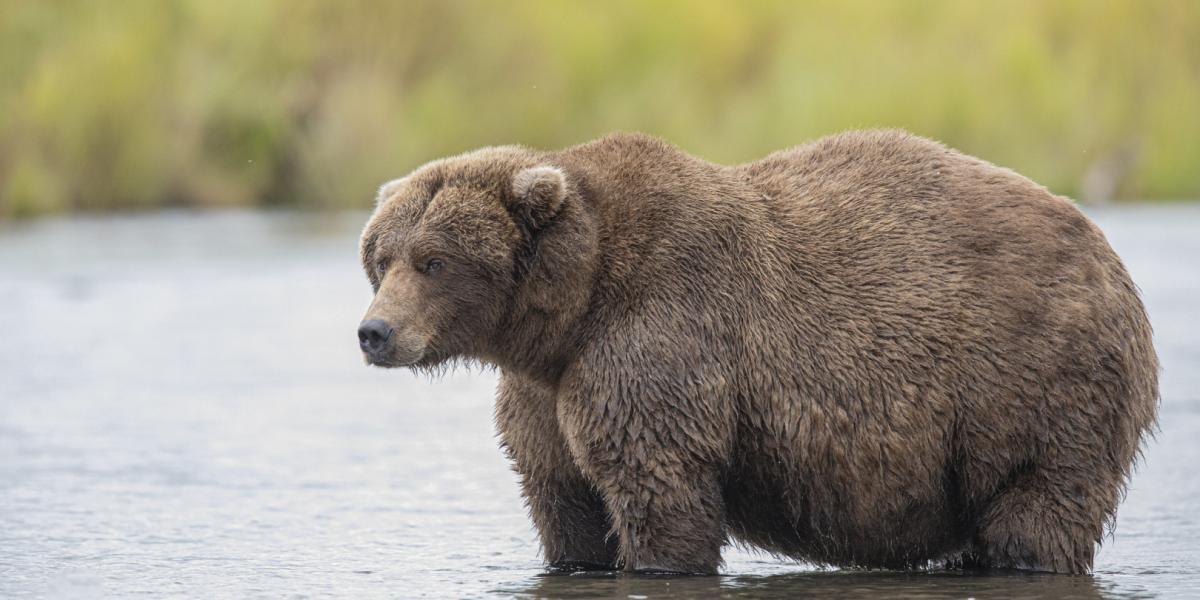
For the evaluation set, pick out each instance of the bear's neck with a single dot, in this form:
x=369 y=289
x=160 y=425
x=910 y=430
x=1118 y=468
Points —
x=553 y=296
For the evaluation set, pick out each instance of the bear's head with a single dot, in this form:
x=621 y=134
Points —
x=479 y=256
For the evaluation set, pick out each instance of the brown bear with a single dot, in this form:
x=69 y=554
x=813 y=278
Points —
x=869 y=350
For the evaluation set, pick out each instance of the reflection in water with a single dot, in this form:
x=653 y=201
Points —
x=831 y=584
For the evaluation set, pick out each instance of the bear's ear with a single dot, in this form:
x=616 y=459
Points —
x=538 y=194
x=386 y=190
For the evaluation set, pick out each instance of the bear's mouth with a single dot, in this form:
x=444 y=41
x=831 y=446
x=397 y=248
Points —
x=388 y=362
x=428 y=359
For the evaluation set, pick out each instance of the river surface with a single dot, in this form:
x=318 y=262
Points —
x=184 y=413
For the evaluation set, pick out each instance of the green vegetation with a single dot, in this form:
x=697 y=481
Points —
x=147 y=103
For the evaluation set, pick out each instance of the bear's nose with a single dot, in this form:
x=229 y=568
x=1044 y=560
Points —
x=373 y=335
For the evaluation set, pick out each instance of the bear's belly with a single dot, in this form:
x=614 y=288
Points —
x=821 y=519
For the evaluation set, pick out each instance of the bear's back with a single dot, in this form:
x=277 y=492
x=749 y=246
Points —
x=855 y=232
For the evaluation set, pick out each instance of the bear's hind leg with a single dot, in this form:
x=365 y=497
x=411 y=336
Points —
x=1047 y=521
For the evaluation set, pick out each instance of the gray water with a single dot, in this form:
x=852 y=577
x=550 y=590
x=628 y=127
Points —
x=184 y=412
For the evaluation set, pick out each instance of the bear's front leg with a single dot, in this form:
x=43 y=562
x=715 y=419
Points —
x=654 y=448
x=669 y=518
x=569 y=514
x=572 y=522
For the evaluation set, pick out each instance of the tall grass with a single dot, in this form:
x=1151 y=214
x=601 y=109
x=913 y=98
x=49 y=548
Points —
x=146 y=103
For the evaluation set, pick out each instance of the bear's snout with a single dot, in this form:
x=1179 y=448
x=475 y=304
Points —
x=385 y=347
x=373 y=336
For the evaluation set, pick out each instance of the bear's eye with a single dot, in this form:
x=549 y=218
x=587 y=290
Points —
x=381 y=268
x=433 y=265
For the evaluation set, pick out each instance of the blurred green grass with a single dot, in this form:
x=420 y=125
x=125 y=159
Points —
x=151 y=103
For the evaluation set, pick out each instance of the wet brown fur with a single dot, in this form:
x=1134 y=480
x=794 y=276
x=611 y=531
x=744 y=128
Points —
x=868 y=350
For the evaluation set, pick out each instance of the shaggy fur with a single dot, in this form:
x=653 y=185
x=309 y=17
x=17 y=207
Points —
x=869 y=350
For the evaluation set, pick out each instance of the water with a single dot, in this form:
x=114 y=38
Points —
x=183 y=412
